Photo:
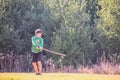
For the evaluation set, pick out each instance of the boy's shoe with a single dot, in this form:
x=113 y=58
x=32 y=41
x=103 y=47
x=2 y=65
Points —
x=38 y=74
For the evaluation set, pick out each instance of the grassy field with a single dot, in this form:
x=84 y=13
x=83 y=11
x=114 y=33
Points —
x=57 y=76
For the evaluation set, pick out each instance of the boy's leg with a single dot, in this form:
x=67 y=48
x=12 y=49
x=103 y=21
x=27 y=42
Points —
x=40 y=66
x=39 y=62
x=34 y=62
x=35 y=67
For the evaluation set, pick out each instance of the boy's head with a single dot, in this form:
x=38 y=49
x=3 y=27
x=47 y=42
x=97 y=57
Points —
x=38 y=32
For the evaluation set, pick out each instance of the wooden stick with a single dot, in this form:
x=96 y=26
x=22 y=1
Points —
x=57 y=53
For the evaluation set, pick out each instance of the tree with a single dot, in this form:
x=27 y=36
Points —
x=20 y=18
x=109 y=26
x=73 y=36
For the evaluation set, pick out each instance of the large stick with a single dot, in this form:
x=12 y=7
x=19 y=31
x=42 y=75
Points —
x=60 y=54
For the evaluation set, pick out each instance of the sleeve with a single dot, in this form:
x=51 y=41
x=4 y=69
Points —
x=34 y=42
x=41 y=42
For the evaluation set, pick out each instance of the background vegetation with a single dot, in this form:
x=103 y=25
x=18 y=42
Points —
x=84 y=30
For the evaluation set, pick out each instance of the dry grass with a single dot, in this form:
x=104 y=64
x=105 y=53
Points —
x=104 y=66
x=57 y=76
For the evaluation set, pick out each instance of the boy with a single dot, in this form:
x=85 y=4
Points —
x=37 y=47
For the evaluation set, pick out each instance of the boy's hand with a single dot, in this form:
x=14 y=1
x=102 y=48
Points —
x=41 y=48
x=37 y=47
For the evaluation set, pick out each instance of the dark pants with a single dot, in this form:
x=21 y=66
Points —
x=36 y=57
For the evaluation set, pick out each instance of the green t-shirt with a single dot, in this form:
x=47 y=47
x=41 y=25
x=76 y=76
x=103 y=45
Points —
x=36 y=42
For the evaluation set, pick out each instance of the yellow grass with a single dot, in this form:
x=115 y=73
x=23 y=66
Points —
x=57 y=76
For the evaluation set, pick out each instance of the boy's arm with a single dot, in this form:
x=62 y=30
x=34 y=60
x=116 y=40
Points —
x=34 y=42
x=41 y=44
x=38 y=46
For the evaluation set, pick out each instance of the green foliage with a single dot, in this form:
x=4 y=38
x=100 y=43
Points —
x=109 y=26
x=73 y=38
x=75 y=43
x=72 y=27
x=21 y=18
